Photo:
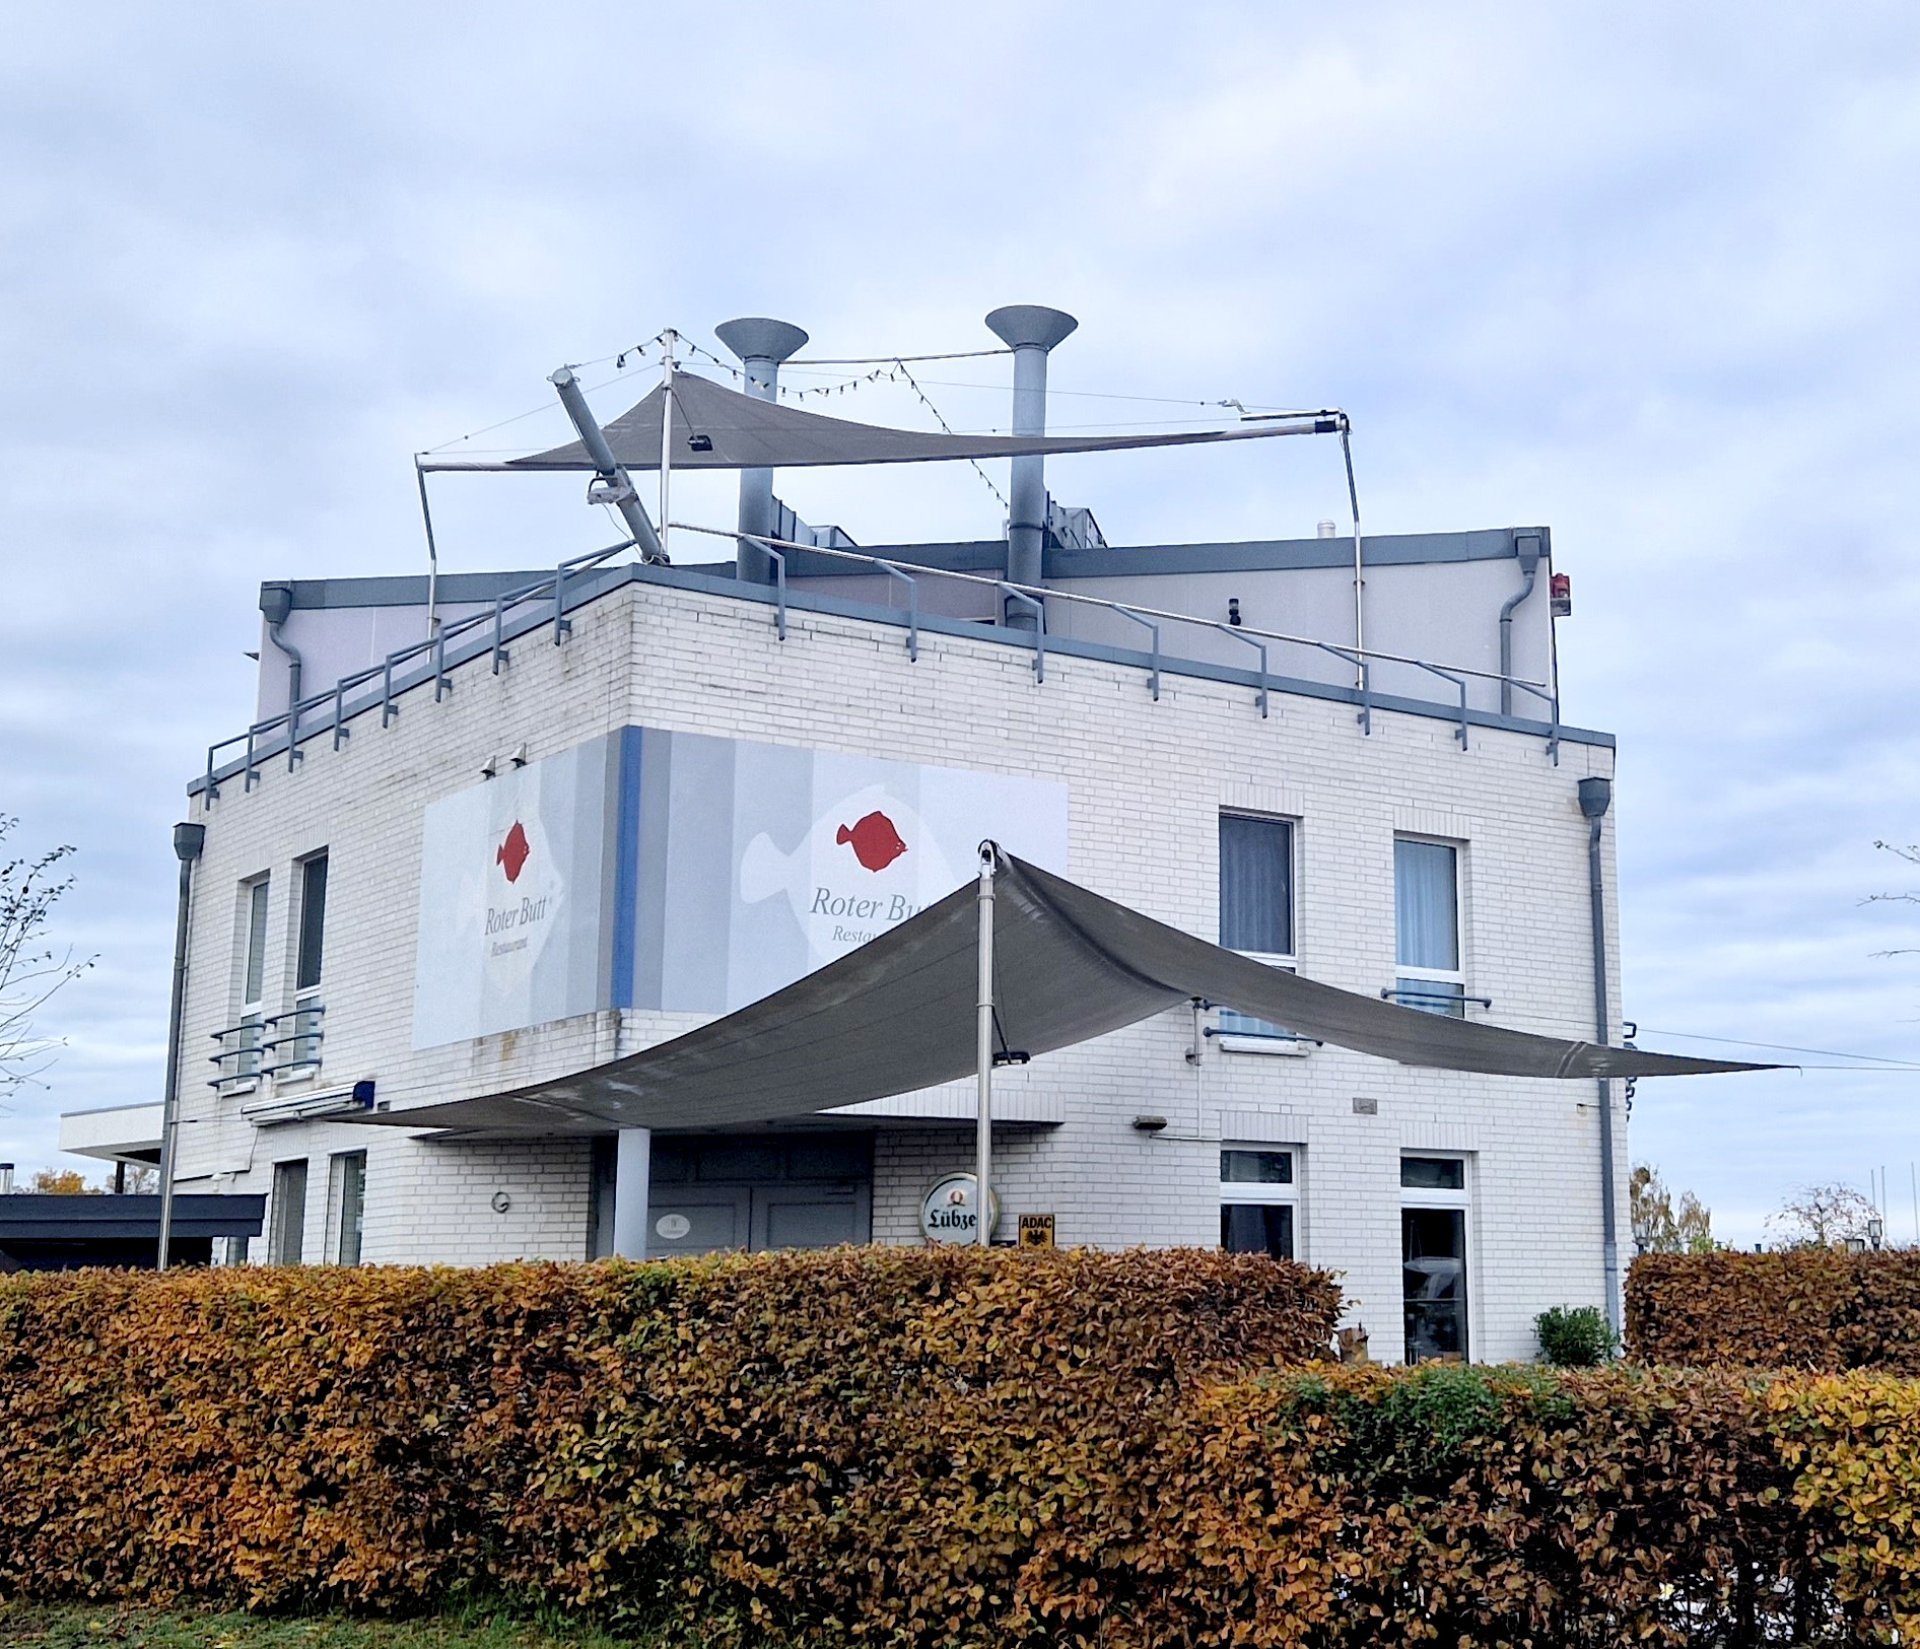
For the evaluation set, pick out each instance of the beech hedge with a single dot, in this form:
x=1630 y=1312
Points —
x=1809 y=1308
x=915 y=1449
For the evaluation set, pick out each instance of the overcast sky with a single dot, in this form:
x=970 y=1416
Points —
x=1645 y=273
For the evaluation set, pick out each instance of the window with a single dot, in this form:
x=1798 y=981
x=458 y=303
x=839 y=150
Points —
x=289 y=1212
x=253 y=980
x=1433 y=1255
x=1258 y=1200
x=301 y=1032
x=349 y=1205
x=1426 y=908
x=313 y=923
x=1256 y=904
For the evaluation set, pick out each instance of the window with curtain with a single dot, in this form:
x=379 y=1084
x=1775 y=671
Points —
x=1426 y=905
x=1256 y=903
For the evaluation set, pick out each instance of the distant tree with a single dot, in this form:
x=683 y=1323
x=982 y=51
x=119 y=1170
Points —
x=1819 y=1216
x=31 y=969
x=1658 y=1228
x=1910 y=853
x=63 y=1182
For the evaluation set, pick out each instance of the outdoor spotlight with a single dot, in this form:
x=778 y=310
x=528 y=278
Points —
x=188 y=840
x=700 y=443
x=1596 y=795
x=1150 y=1125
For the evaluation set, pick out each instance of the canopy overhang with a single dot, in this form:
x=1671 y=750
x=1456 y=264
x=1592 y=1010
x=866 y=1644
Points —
x=716 y=428
x=898 y=1014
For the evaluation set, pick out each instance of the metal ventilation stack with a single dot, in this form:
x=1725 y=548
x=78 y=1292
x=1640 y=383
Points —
x=1030 y=331
x=761 y=345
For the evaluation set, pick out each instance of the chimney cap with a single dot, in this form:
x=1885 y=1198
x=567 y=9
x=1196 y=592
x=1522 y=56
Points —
x=756 y=338
x=1025 y=325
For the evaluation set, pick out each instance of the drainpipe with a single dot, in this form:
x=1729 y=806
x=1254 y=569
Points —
x=1596 y=795
x=1030 y=330
x=761 y=346
x=1527 y=546
x=188 y=840
x=276 y=602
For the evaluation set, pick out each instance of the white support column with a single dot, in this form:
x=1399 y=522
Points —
x=632 y=1171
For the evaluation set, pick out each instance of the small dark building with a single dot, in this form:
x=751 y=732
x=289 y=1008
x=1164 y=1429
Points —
x=57 y=1233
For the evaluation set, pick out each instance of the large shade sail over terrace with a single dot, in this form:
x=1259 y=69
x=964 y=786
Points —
x=898 y=1014
x=716 y=428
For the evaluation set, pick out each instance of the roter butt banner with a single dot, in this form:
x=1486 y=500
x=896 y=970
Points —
x=689 y=873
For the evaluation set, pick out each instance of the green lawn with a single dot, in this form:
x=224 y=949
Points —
x=78 y=1626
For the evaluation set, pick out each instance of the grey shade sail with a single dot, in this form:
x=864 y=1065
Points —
x=898 y=1015
x=716 y=428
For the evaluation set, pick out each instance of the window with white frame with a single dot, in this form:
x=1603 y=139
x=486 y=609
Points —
x=287 y=1213
x=1429 y=973
x=1433 y=1254
x=300 y=1032
x=245 y=1045
x=349 y=1205
x=1257 y=905
x=1259 y=1200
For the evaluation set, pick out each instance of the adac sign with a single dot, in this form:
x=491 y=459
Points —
x=681 y=872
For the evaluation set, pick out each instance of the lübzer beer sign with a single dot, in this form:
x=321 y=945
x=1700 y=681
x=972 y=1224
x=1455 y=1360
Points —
x=949 y=1211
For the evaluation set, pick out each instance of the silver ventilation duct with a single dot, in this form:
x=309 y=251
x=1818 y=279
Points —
x=1029 y=330
x=761 y=345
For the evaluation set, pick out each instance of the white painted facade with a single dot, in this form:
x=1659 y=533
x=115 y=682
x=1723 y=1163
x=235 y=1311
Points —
x=1147 y=782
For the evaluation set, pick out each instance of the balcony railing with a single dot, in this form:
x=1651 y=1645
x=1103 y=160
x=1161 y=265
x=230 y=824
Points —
x=261 y=1046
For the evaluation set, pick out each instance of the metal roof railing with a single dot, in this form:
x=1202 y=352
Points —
x=486 y=634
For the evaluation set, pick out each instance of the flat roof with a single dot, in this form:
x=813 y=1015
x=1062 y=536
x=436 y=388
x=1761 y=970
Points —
x=31 y=1216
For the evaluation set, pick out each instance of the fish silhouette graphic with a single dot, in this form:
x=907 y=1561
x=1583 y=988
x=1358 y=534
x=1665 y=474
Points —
x=876 y=844
x=514 y=852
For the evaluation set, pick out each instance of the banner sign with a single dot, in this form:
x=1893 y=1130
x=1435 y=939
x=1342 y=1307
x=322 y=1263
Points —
x=515 y=879
x=689 y=873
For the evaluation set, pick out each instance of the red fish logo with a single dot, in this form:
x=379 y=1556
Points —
x=514 y=852
x=876 y=844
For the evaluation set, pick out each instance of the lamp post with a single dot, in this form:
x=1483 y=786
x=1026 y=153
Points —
x=188 y=840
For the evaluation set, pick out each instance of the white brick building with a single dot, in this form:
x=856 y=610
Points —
x=306 y=974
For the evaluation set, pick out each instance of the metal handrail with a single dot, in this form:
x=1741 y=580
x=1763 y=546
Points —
x=1365 y=666
x=1018 y=593
x=1260 y=647
x=1042 y=591
x=913 y=606
x=1433 y=669
x=553 y=587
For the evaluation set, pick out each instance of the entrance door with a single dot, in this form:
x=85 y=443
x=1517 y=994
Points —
x=758 y=1191
x=697 y=1220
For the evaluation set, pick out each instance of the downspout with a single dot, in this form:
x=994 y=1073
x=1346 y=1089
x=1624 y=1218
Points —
x=188 y=840
x=1527 y=546
x=276 y=602
x=1596 y=795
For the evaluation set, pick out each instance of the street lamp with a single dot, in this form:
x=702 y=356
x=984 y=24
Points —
x=188 y=840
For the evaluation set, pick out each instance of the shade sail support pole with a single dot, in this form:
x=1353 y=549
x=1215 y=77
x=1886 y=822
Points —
x=668 y=339
x=610 y=470
x=983 y=1052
